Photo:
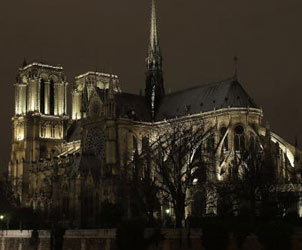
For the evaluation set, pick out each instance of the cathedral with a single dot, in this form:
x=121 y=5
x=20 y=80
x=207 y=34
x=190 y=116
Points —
x=72 y=161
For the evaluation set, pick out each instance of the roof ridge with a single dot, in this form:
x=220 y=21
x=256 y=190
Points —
x=202 y=86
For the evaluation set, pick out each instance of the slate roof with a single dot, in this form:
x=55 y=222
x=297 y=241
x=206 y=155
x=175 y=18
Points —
x=203 y=98
x=126 y=103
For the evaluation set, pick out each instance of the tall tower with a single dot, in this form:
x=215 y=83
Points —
x=154 y=76
x=39 y=122
x=88 y=82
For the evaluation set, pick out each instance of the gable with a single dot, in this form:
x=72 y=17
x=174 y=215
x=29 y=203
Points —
x=95 y=106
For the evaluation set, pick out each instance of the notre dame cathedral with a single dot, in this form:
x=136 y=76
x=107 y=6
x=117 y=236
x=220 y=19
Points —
x=71 y=161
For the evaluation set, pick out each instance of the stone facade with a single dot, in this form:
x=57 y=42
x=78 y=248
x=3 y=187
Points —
x=40 y=120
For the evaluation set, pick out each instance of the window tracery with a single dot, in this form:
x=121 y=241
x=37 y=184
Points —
x=239 y=138
x=95 y=142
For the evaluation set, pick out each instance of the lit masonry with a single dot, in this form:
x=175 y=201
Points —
x=91 y=80
x=40 y=118
x=71 y=164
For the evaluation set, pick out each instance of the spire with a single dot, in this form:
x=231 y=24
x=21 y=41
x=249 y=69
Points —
x=154 y=90
x=154 y=59
x=154 y=40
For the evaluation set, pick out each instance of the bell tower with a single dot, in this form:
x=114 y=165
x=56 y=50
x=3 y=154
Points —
x=39 y=122
x=154 y=90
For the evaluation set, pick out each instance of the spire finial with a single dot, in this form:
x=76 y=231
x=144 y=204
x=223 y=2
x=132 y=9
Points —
x=236 y=67
x=154 y=90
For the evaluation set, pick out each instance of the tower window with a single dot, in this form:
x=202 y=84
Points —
x=52 y=97
x=53 y=131
x=239 y=138
x=42 y=96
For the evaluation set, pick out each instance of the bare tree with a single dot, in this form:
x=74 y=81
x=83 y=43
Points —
x=182 y=161
x=254 y=185
x=172 y=159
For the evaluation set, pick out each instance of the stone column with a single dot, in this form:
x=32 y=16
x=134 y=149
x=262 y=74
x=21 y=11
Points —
x=56 y=99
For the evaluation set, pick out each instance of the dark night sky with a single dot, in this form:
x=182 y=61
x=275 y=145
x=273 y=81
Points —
x=199 y=38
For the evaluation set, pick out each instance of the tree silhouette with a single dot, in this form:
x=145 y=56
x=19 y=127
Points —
x=167 y=168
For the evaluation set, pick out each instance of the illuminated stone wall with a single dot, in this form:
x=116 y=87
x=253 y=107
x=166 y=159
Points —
x=36 y=85
x=76 y=104
x=92 y=80
x=40 y=119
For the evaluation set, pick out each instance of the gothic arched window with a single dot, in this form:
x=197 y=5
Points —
x=239 y=138
x=53 y=131
x=42 y=96
x=52 y=97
